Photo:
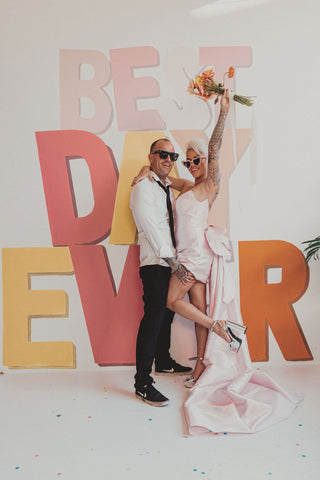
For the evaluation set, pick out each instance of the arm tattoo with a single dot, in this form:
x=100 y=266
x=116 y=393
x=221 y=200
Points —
x=214 y=149
x=173 y=263
x=184 y=275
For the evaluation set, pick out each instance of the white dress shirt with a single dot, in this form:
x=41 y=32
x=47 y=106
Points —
x=148 y=203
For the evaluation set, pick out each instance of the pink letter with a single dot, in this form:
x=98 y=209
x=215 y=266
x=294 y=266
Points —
x=112 y=318
x=55 y=148
x=128 y=89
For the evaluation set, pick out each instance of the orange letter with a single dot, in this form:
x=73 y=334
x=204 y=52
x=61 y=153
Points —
x=264 y=304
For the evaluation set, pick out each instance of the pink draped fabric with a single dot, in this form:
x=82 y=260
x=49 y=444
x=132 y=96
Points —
x=231 y=395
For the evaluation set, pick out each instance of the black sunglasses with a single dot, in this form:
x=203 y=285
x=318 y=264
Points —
x=163 y=154
x=195 y=161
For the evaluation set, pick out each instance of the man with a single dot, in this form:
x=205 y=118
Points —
x=151 y=211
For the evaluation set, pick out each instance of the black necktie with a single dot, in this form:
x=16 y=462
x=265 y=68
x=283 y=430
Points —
x=169 y=207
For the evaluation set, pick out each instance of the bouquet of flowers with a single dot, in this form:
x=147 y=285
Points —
x=205 y=87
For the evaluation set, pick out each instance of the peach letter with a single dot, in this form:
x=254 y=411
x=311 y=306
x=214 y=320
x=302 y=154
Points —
x=21 y=304
x=73 y=88
x=128 y=89
x=224 y=57
x=264 y=304
x=55 y=148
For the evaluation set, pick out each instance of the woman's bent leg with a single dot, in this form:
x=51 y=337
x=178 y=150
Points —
x=197 y=295
x=176 y=303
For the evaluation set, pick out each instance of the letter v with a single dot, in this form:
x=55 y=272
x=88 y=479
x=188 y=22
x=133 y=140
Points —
x=112 y=318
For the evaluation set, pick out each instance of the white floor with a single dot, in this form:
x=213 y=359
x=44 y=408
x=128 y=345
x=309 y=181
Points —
x=79 y=426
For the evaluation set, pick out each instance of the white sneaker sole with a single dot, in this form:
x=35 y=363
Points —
x=153 y=404
x=180 y=374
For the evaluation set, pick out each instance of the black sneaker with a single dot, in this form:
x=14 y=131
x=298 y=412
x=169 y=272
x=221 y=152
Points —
x=175 y=368
x=152 y=396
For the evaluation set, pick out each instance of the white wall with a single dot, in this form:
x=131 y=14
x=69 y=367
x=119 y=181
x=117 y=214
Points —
x=283 y=201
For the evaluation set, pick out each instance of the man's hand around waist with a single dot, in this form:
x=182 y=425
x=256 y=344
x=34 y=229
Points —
x=183 y=274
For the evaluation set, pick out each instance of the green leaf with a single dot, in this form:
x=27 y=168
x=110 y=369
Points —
x=313 y=249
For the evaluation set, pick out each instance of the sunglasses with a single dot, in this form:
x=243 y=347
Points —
x=195 y=161
x=163 y=154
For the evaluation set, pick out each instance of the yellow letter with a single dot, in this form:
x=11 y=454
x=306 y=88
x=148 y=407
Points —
x=135 y=155
x=20 y=304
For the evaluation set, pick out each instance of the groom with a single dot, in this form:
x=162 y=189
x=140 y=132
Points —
x=150 y=202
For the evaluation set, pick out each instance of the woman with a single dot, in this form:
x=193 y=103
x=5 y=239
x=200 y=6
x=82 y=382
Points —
x=191 y=212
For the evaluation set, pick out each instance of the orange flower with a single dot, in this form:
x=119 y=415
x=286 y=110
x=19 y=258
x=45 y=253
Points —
x=201 y=89
x=208 y=74
x=231 y=72
x=198 y=80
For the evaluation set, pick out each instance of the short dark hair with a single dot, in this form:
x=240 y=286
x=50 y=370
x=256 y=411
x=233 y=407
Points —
x=156 y=141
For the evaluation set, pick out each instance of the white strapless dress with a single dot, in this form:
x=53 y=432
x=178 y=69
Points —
x=230 y=395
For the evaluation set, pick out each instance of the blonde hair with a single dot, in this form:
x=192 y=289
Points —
x=199 y=146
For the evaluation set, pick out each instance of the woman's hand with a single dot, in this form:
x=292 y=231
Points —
x=144 y=173
x=225 y=102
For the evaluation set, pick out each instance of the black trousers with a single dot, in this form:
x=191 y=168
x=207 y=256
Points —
x=153 y=340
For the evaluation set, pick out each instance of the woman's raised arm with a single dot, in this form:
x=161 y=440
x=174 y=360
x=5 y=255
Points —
x=213 y=176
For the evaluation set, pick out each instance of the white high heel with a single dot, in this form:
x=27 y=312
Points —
x=190 y=381
x=236 y=326
x=236 y=342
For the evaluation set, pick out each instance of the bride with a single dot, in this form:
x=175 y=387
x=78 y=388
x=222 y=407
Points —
x=191 y=212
